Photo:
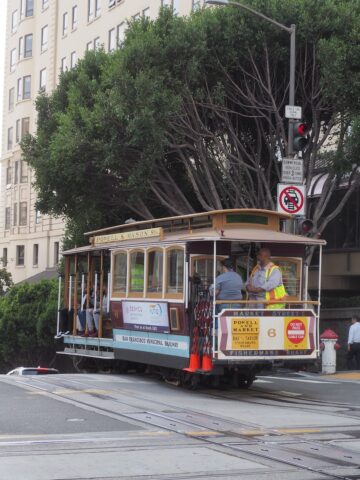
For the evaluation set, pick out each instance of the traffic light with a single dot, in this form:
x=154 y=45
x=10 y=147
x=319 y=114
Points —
x=305 y=226
x=300 y=140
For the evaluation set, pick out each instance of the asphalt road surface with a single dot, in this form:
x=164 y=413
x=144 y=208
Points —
x=285 y=427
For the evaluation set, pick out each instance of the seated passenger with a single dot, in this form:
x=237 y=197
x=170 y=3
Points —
x=228 y=286
x=265 y=282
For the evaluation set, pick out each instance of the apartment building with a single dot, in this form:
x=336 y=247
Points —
x=44 y=38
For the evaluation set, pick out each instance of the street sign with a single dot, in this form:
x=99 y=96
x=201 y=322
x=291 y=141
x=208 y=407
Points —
x=291 y=199
x=292 y=111
x=292 y=170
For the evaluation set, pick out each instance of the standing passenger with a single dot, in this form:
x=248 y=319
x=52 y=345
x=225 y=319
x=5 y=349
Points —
x=228 y=285
x=265 y=282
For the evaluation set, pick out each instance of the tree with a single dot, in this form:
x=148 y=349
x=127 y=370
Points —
x=188 y=115
x=27 y=324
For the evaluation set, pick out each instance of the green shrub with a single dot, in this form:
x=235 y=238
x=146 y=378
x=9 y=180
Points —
x=28 y=324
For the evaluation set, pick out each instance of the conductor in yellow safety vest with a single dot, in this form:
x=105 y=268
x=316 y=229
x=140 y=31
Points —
x=266 y=283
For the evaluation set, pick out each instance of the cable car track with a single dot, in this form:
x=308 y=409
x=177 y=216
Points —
x=222 y=432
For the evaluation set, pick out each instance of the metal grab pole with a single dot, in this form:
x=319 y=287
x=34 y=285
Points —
x=82 y=290
x=319 y=296
x=59 y=304
x=215 y=321
x=70 y=289
x=108 y=295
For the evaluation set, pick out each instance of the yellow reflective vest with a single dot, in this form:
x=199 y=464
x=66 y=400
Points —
x=278 y=293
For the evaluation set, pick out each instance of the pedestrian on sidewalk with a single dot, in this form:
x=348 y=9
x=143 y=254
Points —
x=354 y=343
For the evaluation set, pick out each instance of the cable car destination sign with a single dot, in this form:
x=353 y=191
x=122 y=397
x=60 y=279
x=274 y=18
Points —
x=136 y=234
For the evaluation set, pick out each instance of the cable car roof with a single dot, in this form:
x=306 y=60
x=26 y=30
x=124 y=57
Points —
x=209 y=234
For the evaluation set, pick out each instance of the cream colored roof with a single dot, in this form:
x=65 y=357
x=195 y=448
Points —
x=143 y=223
x=261 y=235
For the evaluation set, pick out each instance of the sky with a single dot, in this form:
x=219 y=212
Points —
x=2 y=51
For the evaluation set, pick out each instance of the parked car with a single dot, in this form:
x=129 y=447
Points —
x=21 y=371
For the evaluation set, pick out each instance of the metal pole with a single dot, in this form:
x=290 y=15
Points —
x=70 y=288
x=319 y=297
x=108 y=294
x=59 y=304
x=215 y=320
x=291 y=87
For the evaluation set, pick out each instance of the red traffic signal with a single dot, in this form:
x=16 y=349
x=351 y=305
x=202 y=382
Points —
x=300 y=140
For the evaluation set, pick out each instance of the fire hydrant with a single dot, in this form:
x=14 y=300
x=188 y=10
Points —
x=328 y=346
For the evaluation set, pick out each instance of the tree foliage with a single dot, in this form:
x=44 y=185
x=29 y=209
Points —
x=27 y=325
x=188 y=115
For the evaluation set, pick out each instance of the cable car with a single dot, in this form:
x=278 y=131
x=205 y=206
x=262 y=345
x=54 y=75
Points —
x=140 y=294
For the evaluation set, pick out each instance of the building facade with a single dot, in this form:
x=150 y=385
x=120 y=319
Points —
x=43 y=38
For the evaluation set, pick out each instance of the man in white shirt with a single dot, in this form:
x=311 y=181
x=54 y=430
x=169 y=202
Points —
x=354 y=343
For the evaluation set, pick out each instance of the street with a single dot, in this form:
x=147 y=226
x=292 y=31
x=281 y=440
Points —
x=99 y=426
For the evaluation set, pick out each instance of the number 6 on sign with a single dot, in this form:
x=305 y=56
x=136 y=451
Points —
x=291 y=199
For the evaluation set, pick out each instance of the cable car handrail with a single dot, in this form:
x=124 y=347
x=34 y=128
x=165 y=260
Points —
x=265 y=302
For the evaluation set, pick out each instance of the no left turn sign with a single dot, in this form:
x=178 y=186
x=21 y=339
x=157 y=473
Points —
x=291 y=199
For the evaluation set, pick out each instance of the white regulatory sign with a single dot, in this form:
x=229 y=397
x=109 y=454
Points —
x=291 y=199
x=292 y=111
x=292 y=170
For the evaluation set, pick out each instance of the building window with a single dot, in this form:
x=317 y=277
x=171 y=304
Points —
x=63 y=65
x=97 y=43
x=90 y=14
x=90 y=46
x=16 y=172
x=23 y=214
x=97 y=8
x=37 y=216
x=17 y=131
x=7 y=218
x=166 y=3
x=35 y=254
x=10 y=138
x=44 y=38
x=20 y=255
x=12 y=59
x=65 y=24
x=5 y=257
x=146 y=12
x=74 y=17
x=136 y=16
x=11 y=99
x=23 y=172
x=120 y=34
x=73 y=59
x=25 y=126
x=28 y=45
x=45 y=4
x=8 y=174
x=21 y=47
x=111 y=3
x=42 y=83
x=56 y=253
x=15 y=209
x=18 y=93
x=14 y=21
x=27 y=8
x=26 y=92
x=112 y=40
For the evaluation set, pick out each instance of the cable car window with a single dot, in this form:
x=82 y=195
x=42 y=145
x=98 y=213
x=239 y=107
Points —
x=175 y=271
x=120 y=273
x=203 y=269
x=155 y=271
x=137 y=262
